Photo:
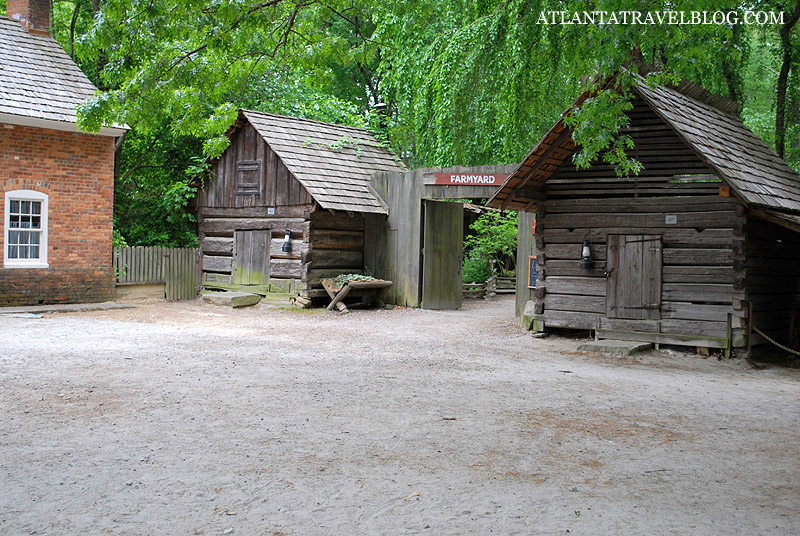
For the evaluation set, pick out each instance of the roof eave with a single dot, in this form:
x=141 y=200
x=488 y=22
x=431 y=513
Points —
x=602 y=84
x=64 y=126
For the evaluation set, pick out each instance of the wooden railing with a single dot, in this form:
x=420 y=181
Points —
x=493 y=286
x=506 y=285
x=473 y=290
x=177 y=268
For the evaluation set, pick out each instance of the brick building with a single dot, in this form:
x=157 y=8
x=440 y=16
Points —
x=56 y=183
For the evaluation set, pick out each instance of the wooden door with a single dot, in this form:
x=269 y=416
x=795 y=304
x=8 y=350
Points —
x=251 y=257
x=633 y=287
x=442 y=238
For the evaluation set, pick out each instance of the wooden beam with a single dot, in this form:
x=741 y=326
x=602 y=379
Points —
x=539 y=163
x=767 y=216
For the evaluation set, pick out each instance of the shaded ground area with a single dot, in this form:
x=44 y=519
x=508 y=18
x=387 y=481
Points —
x=184 y=418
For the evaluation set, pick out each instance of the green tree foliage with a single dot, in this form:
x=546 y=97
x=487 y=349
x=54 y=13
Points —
x=152 y=194
x=177 y=73
x=464 y=82
x=486 y=78
x=494 y=242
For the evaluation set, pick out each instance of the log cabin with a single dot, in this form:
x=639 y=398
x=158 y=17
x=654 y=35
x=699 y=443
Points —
x=701 y=248
x=288 y=204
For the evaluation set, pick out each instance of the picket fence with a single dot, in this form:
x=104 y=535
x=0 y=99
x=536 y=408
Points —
x=177 y=268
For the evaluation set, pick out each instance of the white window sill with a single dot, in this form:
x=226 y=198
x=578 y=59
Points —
x=25 y=264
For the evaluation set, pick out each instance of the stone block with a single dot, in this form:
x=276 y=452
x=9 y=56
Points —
x=231 y=299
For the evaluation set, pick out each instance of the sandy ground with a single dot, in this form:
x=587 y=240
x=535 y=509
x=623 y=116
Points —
x=185 y=418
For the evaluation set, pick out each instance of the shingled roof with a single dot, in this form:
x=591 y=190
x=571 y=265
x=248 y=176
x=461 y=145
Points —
x=40 y=85
x=708 y=126
x=334 y=163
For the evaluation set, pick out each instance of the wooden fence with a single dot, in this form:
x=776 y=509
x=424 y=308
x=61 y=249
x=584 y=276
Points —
x=473 y=290
x=177 y=268
x=493 y=286
x=506 y=285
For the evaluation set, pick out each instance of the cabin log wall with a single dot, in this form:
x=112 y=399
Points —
x=702 y=290
x=336 y=247
x=217 y=228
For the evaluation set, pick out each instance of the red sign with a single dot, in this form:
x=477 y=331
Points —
x=471 y=179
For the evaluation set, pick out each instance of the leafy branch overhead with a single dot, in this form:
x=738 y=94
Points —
x=452 y=82
x=177 y=64
x=461 y=82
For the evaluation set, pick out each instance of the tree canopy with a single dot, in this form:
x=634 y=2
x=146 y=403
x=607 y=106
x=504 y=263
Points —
x=467 y=82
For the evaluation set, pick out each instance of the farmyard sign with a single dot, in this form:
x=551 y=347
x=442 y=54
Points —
x=470 y=179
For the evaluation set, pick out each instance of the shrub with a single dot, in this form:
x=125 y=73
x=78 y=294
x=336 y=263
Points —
x=476 y=270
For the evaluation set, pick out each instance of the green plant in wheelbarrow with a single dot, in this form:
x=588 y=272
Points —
x=342 y=280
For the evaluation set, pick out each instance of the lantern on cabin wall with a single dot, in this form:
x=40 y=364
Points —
x=586 y=256
x=287 y=245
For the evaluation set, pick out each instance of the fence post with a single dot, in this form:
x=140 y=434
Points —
x=491 y=287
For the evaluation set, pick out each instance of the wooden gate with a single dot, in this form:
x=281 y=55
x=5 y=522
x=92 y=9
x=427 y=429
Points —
x=251 y=257
x=177 y=268
x=633 y=287
x=443 y=234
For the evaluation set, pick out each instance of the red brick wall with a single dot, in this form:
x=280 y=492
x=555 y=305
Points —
x=33 y=14
x=77 y=173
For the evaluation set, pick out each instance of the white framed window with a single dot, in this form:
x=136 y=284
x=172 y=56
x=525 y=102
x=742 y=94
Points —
x=25 y=235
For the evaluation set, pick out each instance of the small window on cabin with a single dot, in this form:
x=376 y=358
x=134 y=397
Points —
x=248 y=177
x=25 y=229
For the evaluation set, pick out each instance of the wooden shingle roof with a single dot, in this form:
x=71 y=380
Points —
x=40 y=85
x=710 y=128
x=741 y=159
x=334 y=163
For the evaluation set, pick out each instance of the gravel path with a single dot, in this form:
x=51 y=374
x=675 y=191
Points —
x=185 y=418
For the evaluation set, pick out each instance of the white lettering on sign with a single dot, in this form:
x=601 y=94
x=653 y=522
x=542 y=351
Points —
x=471 y=179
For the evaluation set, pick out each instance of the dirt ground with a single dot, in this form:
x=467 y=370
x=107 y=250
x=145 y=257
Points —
x=186 y=418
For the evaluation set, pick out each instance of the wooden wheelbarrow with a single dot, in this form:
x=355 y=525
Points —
x=377 y=289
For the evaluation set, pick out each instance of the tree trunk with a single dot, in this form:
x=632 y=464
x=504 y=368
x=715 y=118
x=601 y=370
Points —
x=783 y=80
x=72 y=29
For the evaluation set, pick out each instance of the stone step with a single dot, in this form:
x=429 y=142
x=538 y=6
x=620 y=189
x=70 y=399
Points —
x=231 y=299
x=275 y=298
x=615 y=348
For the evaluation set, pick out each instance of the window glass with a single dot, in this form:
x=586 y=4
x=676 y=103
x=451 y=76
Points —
x=24 y=236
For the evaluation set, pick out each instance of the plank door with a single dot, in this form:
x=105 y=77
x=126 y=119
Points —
x=251 y=257
x=443 y=235
x=633 y=287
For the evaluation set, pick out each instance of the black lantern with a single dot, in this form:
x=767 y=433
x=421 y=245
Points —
x=287 y=245
x=586 y=256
